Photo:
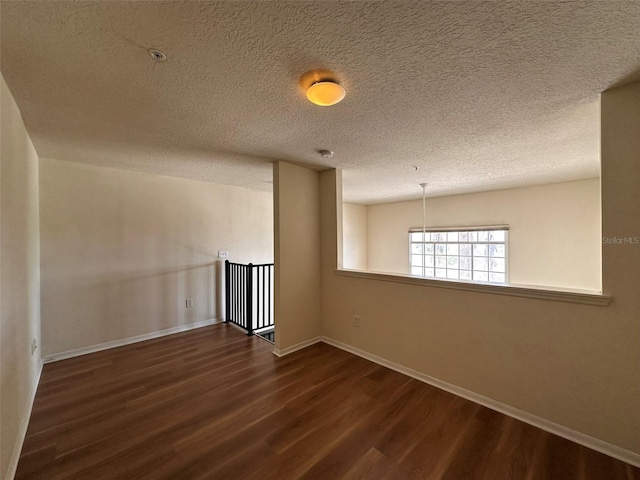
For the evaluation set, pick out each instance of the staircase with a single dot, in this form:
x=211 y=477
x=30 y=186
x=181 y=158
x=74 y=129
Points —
x=249 y=298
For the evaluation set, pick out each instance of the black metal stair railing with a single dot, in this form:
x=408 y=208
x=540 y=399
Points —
x=249 y=295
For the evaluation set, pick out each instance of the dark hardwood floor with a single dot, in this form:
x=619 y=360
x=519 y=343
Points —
x=213 y=403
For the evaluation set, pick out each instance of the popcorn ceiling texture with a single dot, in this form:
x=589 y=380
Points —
x=480 y=95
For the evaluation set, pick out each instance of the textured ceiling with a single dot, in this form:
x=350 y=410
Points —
x=479 y=95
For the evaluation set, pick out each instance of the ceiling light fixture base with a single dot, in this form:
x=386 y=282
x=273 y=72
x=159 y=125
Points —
x=157 y=55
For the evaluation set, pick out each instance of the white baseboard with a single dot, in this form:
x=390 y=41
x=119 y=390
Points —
x=294 y=348
x=127 y=341
x=544 y=424
x=22 y=428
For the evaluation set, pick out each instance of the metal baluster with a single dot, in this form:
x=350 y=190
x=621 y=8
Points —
x=264 y=318
x=227 y=292
x=269 y=302
x=249 y=299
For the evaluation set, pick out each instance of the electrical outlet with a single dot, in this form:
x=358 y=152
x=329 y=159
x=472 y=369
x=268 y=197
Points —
x=189 y=303
x=356 y=320
x=34 y=346
x=223 y=254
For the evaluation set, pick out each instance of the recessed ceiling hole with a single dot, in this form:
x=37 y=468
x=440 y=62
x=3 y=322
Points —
x=157 y=55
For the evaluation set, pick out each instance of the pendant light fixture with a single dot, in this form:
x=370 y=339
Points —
x=424 y=210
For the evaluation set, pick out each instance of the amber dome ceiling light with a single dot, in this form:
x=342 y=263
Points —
x=325 y=93
x=322 y=88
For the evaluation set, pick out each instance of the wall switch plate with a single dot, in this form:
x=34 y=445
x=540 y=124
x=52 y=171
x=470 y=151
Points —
x=356 y=320
x=189 y=302
x=223 y=254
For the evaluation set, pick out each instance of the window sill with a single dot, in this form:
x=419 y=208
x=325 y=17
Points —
x=540 y=293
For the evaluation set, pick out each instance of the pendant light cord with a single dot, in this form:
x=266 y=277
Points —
x=424 y=225
x=424 y=210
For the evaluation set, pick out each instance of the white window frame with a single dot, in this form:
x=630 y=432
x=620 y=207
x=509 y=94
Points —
x=481 y=228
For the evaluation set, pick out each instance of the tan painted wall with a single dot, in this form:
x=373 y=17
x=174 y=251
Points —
x=19 y=277
x=575 y=365
x=554 y=235
x=620 y=119
x=122 y=251
x=355 y=236
x=297 y=254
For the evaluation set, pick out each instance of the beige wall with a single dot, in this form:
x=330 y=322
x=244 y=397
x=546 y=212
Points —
x=122 y=251
x=575 y=365
x=19 y=279
x=554 y=231
x=355 y=236
x=297 y=254
x=620 y=330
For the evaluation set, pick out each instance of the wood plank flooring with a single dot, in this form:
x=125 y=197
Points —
x=214 y=404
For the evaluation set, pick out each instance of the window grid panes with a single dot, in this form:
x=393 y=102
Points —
x=467 y=256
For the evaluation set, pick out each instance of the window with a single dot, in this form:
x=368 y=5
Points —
x=467 y=254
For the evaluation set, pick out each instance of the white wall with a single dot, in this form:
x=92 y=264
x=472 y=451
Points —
x=122 y=251
x=554 y=231
x=576 y=366
x=19 y=280
x=355 y=236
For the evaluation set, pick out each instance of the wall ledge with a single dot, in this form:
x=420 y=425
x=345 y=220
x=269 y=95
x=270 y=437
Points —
x=539 y=293
x=619 y=453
